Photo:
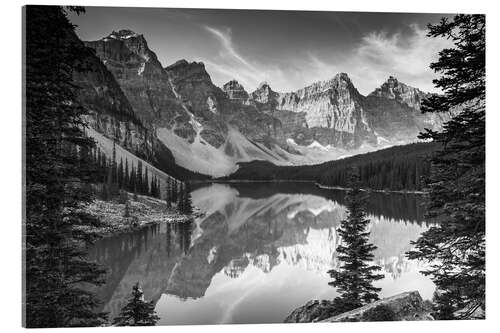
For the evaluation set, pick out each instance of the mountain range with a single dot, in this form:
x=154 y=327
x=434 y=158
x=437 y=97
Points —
x=178 y=120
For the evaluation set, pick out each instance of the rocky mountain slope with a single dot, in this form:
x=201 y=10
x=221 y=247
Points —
x=394 y=111
x=112 y=118
x=140 y=75
x=210 y=129
x=331 y=113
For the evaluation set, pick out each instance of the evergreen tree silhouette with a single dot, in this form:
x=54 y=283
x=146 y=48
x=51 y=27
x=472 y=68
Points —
x=356 y=274
x=187 y=204
x=56 y=183
x=137 y=312
x=456 y=245
x=120 y=174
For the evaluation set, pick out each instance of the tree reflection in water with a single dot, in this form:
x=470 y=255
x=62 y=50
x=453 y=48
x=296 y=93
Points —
x=287 y=229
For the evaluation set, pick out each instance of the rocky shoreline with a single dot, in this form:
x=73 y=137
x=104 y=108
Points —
x=367 y=189
x=142 y=211
x=403 y=307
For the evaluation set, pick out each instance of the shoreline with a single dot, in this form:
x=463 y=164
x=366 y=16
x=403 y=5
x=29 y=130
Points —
x=115 y=230
x=144 y=211
x=325 y=187
x=259 y=181
x=369 y=189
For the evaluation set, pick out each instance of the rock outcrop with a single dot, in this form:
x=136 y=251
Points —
x=404 y=306
x=265 y=96
x=235 y=91
x=201 y=98
x=334 y=104
x=393 y=112
x=333 y=111
x=142 y=78
x=400 y=92
x=312 y=311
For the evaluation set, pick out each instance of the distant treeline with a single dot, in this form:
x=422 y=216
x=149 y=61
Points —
x=113 y=176
x=396 y=168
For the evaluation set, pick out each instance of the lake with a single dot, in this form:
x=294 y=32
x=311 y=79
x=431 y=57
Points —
x=259 y=251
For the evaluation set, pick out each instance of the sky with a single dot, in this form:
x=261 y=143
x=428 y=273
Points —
x=287 y=49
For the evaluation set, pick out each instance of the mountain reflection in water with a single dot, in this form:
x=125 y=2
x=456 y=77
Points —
x=259 y=251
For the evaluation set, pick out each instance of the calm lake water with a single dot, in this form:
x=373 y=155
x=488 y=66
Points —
x=260 y=251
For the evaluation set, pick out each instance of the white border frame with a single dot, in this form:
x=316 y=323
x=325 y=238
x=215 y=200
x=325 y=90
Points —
x=10 y=131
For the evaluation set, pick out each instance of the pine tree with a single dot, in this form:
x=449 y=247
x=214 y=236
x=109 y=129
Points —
x=180 y=200
x=56 y=185
x=99 y=166
x=169 y=193
x=114 y=168
x=137 y=312
x=145 y=189
x=356 y=274
x=455 y=247
x=95 y=164
x=120 y=174
x=126 y=177
x=174 y=192
x=184 y=203
x=155 y=187
x=132 y=181
x=152 y=190
x=126 y=212
x=168 y=240
x=186 y=206
x=138 y=178
x=158 y=188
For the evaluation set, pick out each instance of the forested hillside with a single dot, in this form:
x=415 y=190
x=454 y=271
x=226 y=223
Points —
x=395 y=168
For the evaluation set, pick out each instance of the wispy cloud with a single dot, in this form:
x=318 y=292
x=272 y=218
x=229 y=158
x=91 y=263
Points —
x=225 y=39
x=376 y=56
x=230 y=64
x=405 y=56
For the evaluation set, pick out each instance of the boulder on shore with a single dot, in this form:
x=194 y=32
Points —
x=405 y=306
x=312 y=311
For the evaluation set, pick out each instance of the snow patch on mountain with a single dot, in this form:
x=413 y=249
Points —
x=316 y=145
x=202 y=157
x=141 y=68
x=211 y=254
x=313 y=154
x=197 y=156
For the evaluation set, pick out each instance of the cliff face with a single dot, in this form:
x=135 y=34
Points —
x=235 y=91
x=393 y=110
x=333 y=104
x=141 y=77
x=111 y=113
x=400 y=92
x=201 y=98
x=333 y=112
x=265 y=95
